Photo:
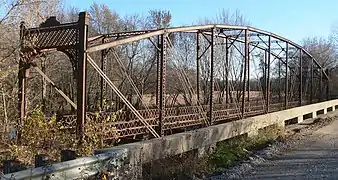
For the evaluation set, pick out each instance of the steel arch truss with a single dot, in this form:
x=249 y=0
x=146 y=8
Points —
x=293 y=62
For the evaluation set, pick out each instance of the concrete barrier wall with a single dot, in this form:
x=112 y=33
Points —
x=146 y=151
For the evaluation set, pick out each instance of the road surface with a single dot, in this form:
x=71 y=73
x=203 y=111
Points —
x=316 y=158
x=314 y=155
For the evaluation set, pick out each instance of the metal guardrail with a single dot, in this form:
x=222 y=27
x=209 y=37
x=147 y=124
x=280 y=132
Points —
x=82 y=168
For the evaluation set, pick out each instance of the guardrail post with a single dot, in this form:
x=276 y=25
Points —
x=11 y=166
x=41 y=160
x=67 y=155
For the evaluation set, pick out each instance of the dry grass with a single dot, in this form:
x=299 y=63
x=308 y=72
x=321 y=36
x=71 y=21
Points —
x=150 y=99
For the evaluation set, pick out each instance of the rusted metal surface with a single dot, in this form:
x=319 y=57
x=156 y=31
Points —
x=300 y=78
x=162 y=92
x=311 y=82
x=246 y=55
x=103 y=84
x=211 y=92
x=73 y=40
x=227 y=94
x=22 y=81
x=127 y=125
x=286 y=76
x=158 y=70
x=82 y=73
x=268 y=77
x=151 y=33
x=321 y=84
x=198 y=65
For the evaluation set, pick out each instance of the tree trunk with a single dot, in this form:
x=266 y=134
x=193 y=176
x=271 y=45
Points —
x=5 y=111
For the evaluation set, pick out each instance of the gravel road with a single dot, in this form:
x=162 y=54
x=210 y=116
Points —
x=310 y=153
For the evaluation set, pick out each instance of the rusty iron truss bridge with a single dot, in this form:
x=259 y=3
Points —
x=289 y=76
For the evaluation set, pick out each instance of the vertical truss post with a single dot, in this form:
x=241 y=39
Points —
x=162 y=82
x=279 y=82
x=211 y=75
x=81 y=74
x=268 y=77
x=198 y=66
x=22 y=81
x=248 y=66
x=158 y=66
x=320 y=84
x=327 y=85
x=246 y=53
x=311 y=83
x=300 y=77
x=265 y=73
x=43 y=89
x=286 y=76
x=103 y=83
x=227 y=71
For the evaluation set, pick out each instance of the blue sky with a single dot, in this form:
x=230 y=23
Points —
x=293 y=19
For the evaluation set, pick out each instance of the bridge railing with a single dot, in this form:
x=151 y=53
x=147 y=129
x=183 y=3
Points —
x=177 y=119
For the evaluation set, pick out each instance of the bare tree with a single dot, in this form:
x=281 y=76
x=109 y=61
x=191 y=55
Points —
x=32 y=12
x=159 y=19
x=235 y=68
x=322 y=50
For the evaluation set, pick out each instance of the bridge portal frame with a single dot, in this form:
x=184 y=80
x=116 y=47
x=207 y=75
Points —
x=51 y=35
